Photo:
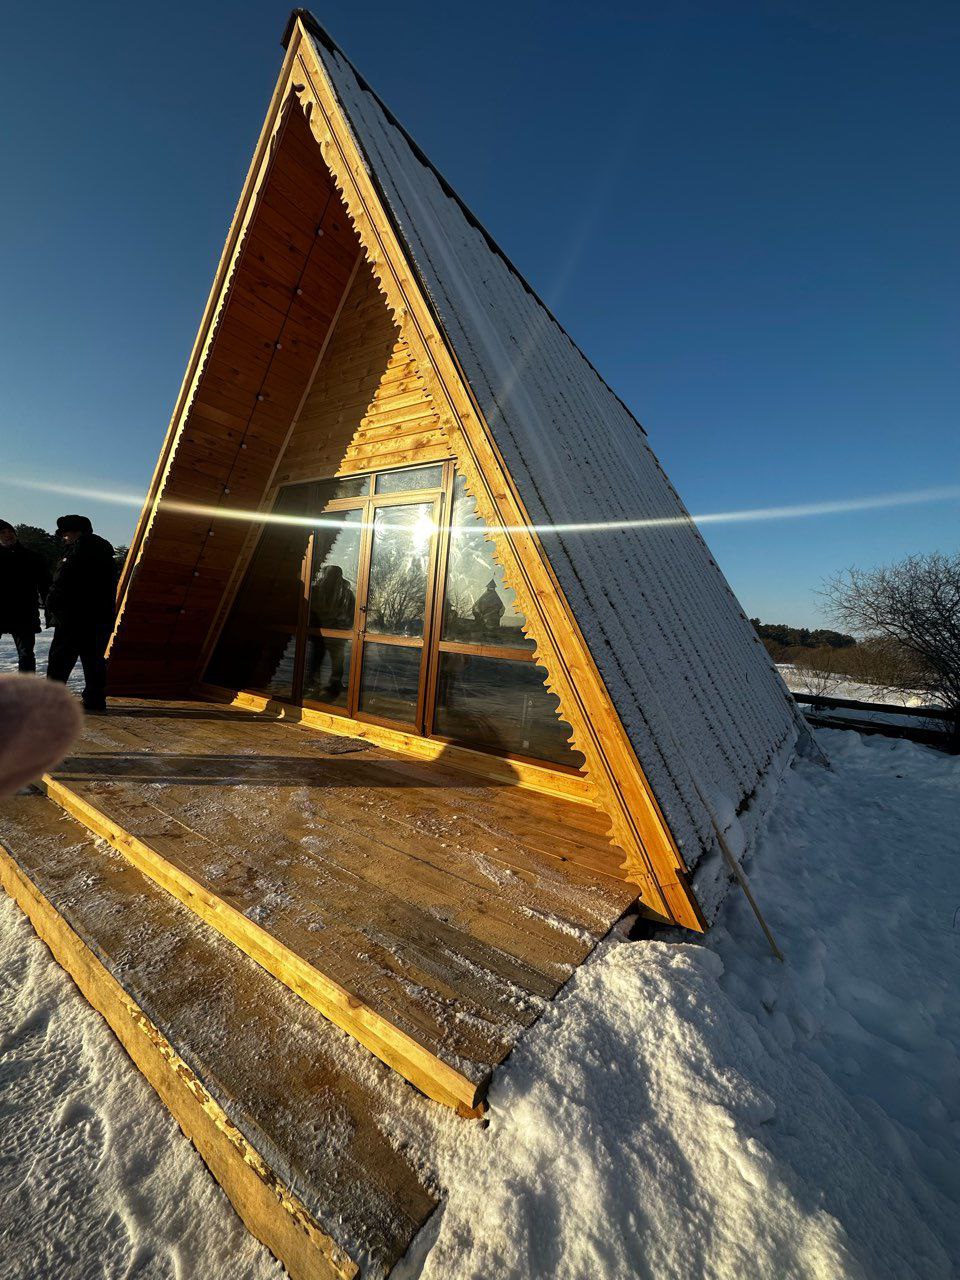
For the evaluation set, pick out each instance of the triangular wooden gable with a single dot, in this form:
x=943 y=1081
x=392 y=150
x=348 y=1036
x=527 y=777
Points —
x=277 y=297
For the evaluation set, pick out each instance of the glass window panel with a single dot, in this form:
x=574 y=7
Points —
x=410 y=480
x=276 y=659
x=269 y=597
x=390 y=681
x=326 y=673
x=333 y=574
x=347 y=487
x=260 y=658
x=397 y=594
x=478 y=606
x=501 y=703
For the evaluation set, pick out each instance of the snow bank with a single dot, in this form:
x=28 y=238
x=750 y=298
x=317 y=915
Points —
x=795 y=680
x=703 y=1111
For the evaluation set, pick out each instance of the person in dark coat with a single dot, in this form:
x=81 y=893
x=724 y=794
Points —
x=24 y=582
x=81 y=605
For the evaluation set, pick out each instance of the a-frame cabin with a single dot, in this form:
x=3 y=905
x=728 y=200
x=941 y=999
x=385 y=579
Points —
x=371 y=364
x=434 y=678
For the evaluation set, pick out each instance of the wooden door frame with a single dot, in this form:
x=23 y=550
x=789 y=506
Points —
x=369 y=503
x=431 y=643
x=427 y=497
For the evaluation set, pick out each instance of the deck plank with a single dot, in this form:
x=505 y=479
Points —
x=315 y=1108
x=452 y=907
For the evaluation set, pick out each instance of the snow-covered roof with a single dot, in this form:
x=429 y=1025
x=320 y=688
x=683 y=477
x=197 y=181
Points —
x=707 y=714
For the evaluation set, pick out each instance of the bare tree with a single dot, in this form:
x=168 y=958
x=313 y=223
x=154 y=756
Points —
x=914 y=608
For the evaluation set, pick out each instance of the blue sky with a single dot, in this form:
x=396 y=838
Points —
x=746 y=214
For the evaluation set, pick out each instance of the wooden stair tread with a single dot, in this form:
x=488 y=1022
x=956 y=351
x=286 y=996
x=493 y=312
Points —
x=332 y=862
x=321 y=1113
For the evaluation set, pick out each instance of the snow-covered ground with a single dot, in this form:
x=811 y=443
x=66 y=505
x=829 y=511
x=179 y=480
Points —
x=841 y=688
x=96 y=1179
x=683 y=1110
x=8 y=657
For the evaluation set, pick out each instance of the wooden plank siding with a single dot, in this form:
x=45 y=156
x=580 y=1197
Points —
x=368 y=406
x=293 y=269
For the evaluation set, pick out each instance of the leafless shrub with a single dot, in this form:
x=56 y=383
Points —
x=816 y=669
x=908 y=615
x=889 y=666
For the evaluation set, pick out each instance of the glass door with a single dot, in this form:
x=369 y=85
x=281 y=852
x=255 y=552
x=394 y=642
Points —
x=395 y=610
x=331 y=622
x=378 y=597
x=368 y=599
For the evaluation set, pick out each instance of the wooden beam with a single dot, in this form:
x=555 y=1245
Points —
x=518 y=773
x=269 y=1209
x=252 y=369
x=228 y=256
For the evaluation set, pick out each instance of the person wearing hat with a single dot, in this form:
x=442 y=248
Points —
x=488 y=609
x=24 y=581
x=81 y=605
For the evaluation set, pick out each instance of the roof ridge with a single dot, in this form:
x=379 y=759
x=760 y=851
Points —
x=320 y=33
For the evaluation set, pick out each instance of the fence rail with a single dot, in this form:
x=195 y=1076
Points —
x=885 y=708
x=945 y=735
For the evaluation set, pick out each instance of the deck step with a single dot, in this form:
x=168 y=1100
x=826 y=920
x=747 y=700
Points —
x=460 y=1086
x=296 y=1122
x=429 y=914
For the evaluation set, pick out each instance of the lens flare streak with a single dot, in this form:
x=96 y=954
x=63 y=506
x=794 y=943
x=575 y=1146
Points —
x=842 y=506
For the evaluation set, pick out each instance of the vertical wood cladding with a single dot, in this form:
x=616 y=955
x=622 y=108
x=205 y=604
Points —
x=368 y=406
x=294 y=264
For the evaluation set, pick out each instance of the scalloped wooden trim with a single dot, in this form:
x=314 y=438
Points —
x=653 y=859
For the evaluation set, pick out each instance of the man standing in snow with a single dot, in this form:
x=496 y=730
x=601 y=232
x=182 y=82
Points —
x=24 y=581
x=82 y=607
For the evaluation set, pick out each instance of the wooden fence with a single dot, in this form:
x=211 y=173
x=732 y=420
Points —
x=936 y=727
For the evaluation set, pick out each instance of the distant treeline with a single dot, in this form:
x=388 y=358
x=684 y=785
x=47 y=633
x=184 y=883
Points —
x=48 y=548
x=825 y=659
x=800 y=637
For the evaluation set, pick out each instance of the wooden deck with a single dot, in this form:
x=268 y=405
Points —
x=428 y=912
x=297 y=1123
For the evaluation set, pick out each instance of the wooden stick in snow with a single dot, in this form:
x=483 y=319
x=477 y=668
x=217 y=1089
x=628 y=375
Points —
x=741 y=877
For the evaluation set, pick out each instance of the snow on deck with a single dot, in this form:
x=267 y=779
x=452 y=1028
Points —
x=691 y=681
x=695 y=1111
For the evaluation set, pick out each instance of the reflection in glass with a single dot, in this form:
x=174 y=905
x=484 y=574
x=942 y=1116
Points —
x=501 y=703
x=397 y=595
x=326 y=674
x=410 y=480
x=390 y=681
x=274 y=665
x=247 y=654
x=479 y=607
x=347 y=487
x=262 y=658
x=333 y=575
